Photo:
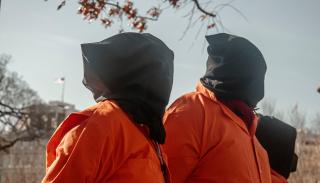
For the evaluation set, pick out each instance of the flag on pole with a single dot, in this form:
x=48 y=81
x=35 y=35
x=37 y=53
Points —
x=60 y=80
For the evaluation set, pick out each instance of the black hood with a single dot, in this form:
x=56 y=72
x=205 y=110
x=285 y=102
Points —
x=235 y=69
x=137 y=69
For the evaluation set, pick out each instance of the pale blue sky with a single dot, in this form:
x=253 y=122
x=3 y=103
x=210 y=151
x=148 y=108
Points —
x=45 y=44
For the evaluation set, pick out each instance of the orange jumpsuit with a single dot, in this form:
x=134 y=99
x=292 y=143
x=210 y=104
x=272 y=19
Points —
x=207 y=142
x=101 y=144
x=277 y=178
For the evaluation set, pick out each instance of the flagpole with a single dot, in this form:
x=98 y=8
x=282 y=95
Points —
x=63 y=89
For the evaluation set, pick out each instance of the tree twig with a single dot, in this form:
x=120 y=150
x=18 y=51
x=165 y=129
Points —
x=196 y=2
x=138 y=16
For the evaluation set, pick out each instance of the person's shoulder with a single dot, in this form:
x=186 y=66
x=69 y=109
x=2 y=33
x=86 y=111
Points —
x=103 y=107
x=104 y=112
x=190 y=101
x=103 y=119
x=187 y=99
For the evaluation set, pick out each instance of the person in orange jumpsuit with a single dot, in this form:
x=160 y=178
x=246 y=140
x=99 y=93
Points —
x=211 y=132
x=117 y=140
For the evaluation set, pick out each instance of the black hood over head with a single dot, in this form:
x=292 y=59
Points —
x=235 y=69
x=137 y=70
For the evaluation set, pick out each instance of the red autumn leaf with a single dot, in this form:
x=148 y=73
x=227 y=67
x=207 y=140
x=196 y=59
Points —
x=114 y=11
x=127 y=7
x=106 y=22
x=154 y=12
x=174 y=3
x=139 y=24
x=132 y=13
x=211 y=26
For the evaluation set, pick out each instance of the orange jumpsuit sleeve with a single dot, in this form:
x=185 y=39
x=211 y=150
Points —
x=277 y=178
x=182 y=123
x=79 y=153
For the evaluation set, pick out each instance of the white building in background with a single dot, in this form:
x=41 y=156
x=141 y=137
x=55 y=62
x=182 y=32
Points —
x=60 y=110
x=25 y=161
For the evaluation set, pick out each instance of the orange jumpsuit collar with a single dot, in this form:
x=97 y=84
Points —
x=209 y=94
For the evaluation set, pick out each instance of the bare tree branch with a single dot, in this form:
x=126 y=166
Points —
x=196 y=2
x=108 y=11
x=17 y=121
x=297 y=117
x=138 y=16
x=222 y=6
x=191 y=14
